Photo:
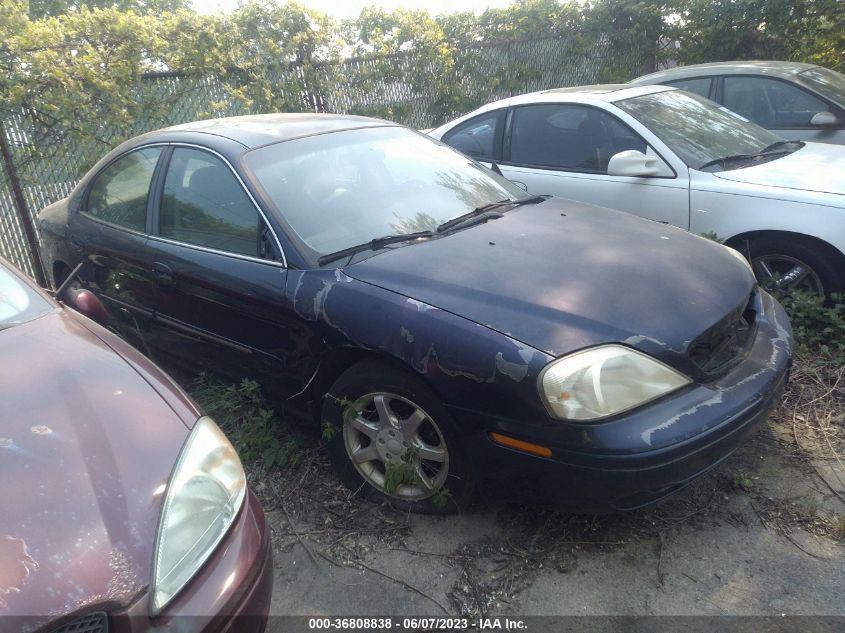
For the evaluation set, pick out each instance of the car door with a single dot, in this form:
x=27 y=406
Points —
x=781 y=106
x=109 y=233
x=564 y=149
x=220 y=273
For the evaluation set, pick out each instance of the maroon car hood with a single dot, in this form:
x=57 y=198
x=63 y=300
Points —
x=87 y=443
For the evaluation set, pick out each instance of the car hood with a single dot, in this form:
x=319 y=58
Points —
x=816 y=167
x=562 y=275
x=87 y=445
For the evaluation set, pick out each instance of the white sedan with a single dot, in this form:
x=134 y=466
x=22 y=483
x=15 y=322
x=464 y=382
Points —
x=677 y=158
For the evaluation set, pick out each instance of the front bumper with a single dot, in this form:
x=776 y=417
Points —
x=231 y=592
x=646 y=454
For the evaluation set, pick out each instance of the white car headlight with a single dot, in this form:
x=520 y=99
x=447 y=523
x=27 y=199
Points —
x=206 y=490
x=603 y=381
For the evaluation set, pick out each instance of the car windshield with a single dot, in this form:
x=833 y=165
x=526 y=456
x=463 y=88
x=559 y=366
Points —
x=696 y=129
x=826 y=82
x=18 y=302
x=341 y=189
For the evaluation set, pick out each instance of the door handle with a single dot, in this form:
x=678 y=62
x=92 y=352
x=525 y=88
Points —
x=163 y=273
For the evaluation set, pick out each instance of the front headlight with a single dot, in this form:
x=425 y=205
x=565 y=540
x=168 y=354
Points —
x=603 y=381
x=205 y=493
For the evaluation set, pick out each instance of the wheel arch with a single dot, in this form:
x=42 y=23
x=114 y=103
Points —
x=336 y=361
x=740 y=241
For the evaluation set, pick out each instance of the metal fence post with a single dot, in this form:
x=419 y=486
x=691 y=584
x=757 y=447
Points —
x=23 y=212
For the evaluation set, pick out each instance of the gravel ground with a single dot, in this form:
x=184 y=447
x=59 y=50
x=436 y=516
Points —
x=761 y=535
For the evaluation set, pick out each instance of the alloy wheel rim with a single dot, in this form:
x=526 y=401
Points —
x=386 y=436
x=783 y=273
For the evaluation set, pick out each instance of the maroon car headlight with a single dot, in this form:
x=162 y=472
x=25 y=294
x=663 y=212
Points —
x=206 y=490
x=602 y=381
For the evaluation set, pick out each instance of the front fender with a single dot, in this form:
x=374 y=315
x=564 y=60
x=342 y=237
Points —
x=729 y=209
x=53 y=227
x=467 y=364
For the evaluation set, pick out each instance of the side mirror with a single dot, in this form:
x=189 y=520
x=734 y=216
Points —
x=86 y=303
x=632 y=163
x=823 y=119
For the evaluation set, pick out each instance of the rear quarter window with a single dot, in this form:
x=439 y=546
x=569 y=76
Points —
x=700 y=86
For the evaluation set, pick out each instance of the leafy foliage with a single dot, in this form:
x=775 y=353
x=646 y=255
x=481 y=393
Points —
x=401 y=474
x=712 y=235
x=51 y=8
x=818 y=326
x=441 y=497
x=240 y=410
x=799 y=30
x=72 y=57
x=74 y=67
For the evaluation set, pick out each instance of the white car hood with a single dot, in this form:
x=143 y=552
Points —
x=818 y=167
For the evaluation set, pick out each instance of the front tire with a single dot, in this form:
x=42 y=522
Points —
x=783 y=266
x=392 y=440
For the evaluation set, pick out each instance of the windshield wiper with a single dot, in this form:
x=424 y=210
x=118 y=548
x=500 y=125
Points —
x=375 y=244
x=482 y=213
x=771 y=150
x=779 y=144
x=486 y=212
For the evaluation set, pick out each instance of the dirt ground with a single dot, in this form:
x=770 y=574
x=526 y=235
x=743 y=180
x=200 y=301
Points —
x=761 y=535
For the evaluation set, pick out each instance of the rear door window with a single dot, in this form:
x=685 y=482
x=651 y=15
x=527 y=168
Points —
x=119 y=193
x=476 y=137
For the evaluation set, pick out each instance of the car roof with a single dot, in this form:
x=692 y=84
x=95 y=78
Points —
x=577 y=94
x=607 y=93
x=775 y=68
x=261 y=129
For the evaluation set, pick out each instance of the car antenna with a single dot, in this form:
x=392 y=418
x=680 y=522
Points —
x=496 y=169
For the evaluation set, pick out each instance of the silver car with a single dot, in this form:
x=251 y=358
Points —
x=674 y=157
x=798 y=101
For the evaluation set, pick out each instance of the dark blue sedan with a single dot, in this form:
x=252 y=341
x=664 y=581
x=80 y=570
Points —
x=449 y=332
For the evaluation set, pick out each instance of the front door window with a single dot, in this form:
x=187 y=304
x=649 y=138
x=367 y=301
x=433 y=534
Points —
x=568 y=137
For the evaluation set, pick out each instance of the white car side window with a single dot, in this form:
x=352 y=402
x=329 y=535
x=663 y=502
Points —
x=568 y=137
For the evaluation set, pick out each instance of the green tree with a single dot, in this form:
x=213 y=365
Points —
x=39 y=9
x=720 y=30
x=268 y=40
x=633 y=31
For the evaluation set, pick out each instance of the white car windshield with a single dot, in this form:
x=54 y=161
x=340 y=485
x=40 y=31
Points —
x=700 y=132
x=341 y=189
x=18 y=302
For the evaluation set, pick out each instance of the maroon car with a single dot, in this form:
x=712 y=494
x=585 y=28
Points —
x=123 y=507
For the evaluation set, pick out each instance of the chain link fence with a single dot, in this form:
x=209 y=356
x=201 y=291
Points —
x=407 y=88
